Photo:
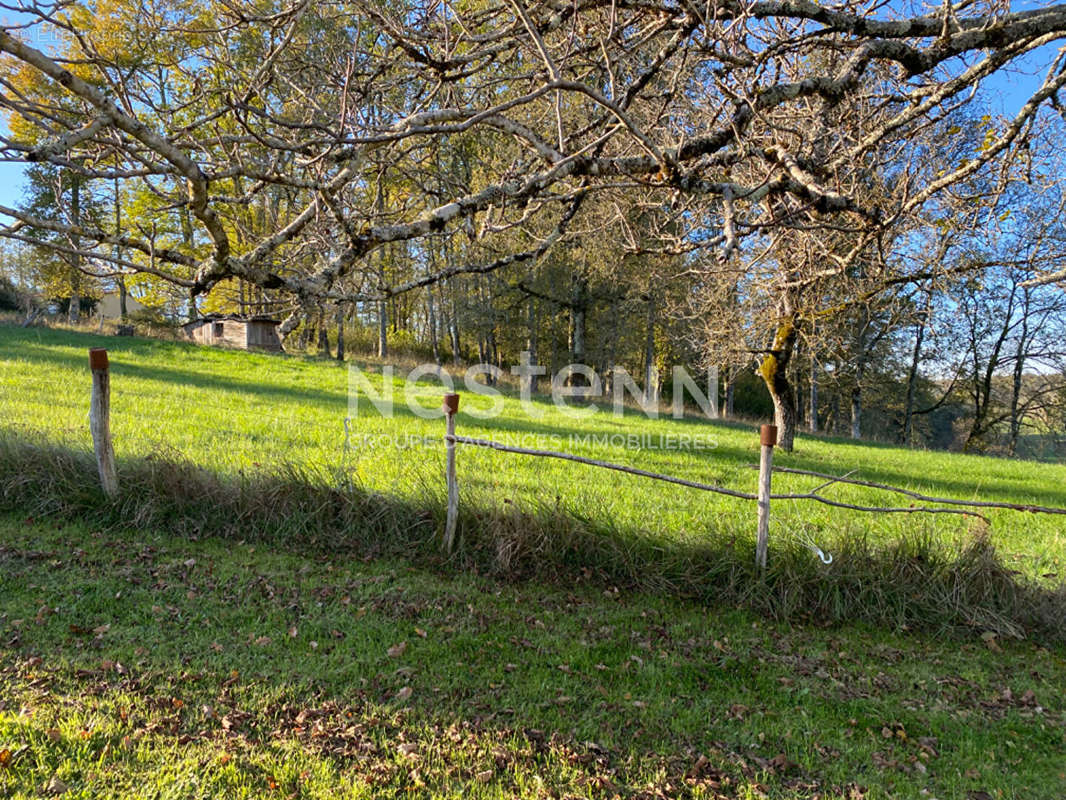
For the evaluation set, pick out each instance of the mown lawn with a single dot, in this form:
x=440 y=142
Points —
x=235 y=411
x=136 y=664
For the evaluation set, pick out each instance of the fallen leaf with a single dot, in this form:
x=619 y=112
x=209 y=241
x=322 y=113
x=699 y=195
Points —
x=421 y=633
x=408 y=749
x=5 y=758
x=484 y=776
x=293 y=632
x=55 y=786
x=397 y=650
x=262 y=641
x=404 y=693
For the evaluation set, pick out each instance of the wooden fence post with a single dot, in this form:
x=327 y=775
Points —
x=767 y=438
x=451 y=408
x=100 y=420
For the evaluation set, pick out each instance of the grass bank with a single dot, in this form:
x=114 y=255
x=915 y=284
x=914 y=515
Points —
x=913 y=583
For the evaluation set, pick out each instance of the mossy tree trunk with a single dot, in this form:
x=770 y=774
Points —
x=774 y=371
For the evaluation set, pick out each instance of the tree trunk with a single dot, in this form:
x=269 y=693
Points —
x=609 y=352
x=856 y=411
x=730 y=391
x=531 y=344
x=431 y=325
x=323 y=335
x=122 y=311
x=812 y=411
x=306 y=332
x=186 y=237
x=859 y=349
x=1015 y=397
x=453 y=332
x=650 y=384
x=383 y=329
x=832 y=418
x=774 y=372
x=121 y=280
x=431 y=313
x=74 y=310
x=912 y=376
x=340 y=331
x=492 y=354
x=983 y=379
x=1018 y=374
x=578 y=308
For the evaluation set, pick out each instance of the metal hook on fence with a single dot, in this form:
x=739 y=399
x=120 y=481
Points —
x=825 y=559
x=808 y=542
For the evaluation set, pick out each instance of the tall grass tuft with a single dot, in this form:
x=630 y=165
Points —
x=915 y=583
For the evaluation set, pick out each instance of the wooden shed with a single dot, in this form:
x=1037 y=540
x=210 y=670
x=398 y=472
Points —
x=231 y=330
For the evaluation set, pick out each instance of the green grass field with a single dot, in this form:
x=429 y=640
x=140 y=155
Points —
x=234 y=411
x=201 y=637
x=137 y=664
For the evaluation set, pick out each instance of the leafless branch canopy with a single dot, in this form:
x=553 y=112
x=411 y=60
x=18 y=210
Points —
x=284 y=145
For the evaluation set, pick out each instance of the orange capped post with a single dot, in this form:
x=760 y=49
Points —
x=98 y=358
x=100 y=420
x=768 y=435
x=767 y=440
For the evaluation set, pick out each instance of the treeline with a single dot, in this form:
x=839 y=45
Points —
x=983 y=370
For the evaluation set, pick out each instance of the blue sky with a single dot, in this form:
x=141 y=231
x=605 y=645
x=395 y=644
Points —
x=1004 y=92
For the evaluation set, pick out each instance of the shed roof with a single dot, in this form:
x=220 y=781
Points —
x=230 y=317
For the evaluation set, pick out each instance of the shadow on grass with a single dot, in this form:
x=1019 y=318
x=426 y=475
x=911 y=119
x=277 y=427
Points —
x=915 y=583
x=210 y=381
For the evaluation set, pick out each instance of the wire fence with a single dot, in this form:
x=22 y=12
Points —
x=763 y=498
x=339 y=449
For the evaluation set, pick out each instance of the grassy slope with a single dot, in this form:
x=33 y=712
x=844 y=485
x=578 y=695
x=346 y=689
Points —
x=142 y=665
x=235 y=411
